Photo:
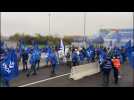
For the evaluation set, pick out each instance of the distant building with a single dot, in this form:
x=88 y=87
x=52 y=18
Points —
x=80 y=41
x=118 y=37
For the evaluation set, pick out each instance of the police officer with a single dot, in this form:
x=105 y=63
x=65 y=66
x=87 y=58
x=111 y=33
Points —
x=106 y=70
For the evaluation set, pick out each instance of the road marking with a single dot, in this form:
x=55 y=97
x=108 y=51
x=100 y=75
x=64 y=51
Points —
x=44 y=80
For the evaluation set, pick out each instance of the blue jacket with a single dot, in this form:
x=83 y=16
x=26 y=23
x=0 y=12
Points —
x=9 y=67
x=75 y=57
x=52 y=58
x=81 y=56
x=33 y=58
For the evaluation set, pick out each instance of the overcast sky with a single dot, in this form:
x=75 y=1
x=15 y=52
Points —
x=65 y=23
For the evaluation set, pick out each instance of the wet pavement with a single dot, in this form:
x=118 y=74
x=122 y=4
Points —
x=64 y=81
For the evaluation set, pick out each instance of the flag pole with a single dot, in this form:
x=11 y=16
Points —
x=0 y=27
x=133 y=45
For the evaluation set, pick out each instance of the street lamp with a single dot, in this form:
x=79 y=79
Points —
x=84 y=39
x=49 y=21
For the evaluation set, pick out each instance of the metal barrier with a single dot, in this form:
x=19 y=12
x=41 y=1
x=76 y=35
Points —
x=79 y=72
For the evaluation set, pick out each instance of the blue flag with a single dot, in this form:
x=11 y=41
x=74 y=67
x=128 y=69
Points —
x=48 y=50
x=21 y=47
x=102 y=53
x=128 y=50
x=52 y=58
x=9 y=67
x=128 y=44
x=36 y=53
x=132 y=58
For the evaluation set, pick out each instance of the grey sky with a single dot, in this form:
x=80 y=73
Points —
x=65 y=23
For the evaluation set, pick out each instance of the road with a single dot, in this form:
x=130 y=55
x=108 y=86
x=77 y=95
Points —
x=43 y=79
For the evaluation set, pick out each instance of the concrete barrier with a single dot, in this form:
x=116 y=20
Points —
x=81 y=71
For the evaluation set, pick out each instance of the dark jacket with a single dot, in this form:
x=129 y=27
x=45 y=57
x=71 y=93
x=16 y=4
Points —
x=25 y=56
x=107 y=64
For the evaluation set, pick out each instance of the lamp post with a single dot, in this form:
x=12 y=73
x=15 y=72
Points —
x=84 y=39
x=49 y=21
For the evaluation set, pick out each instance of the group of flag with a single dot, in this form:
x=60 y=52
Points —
x=9 y=66
x=130 y=53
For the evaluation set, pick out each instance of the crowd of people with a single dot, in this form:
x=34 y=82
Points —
x=108 y=58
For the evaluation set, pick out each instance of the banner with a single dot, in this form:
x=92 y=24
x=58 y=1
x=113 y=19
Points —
x=9 y=67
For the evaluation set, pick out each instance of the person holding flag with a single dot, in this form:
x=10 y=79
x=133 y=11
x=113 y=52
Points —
x=75 y=57
x=33 y=59
x=52 y=59
x=132 y=57
x=128 y=50
x=20 y=49
x=38 y=55
x=69 y=59
x=24 y=59
x=102 y=58
x=33 y=64
x=81 y=56
x=123 y=56
x=9 y=67
x=130 y=53
x=47 y=51
x=88 y=54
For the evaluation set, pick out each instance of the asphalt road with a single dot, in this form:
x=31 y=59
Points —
x=43 y=79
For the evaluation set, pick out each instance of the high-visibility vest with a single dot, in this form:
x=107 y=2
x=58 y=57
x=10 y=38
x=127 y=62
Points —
x=116 y=63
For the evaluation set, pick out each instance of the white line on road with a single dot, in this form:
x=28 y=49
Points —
x=43 y=80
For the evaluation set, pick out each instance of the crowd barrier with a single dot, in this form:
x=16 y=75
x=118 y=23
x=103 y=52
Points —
x=81 y=71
